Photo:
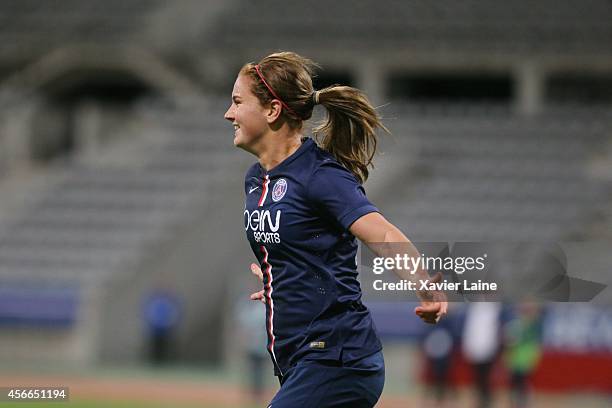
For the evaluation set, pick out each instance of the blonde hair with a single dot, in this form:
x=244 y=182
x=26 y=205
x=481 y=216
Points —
x=349 y=130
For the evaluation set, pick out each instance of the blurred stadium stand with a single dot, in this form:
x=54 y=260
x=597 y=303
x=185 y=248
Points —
x=487 y=174
x=120 y=214
x=519 y=26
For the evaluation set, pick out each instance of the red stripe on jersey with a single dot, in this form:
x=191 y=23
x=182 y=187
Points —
x=268 y=296
x=264 y=191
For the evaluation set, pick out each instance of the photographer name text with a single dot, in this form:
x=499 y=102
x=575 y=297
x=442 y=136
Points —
x=427 y=285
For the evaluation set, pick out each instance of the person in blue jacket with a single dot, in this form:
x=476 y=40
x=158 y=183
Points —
x=305 y=207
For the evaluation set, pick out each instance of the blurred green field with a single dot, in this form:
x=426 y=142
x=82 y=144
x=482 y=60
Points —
x=89 y=404
x=110 y=404
x=188 y=387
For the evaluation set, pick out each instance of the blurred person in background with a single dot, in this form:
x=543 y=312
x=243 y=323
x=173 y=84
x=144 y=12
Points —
x=162 y=313
x=253 y=337
x=523 y=335
x=305 y=205
x=438 y=346
x=481 y=345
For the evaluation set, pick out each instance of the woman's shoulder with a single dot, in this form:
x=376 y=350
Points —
x=326 y=165
x=325 y=160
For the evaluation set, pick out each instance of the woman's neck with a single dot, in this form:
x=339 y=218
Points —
x=279 y=147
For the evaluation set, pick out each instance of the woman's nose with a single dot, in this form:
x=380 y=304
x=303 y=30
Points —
x=229 y=114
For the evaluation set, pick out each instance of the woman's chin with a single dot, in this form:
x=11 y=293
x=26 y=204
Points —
x=237 y=141
x=243 y=143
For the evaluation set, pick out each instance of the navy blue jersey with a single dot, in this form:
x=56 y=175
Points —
x=296 y=219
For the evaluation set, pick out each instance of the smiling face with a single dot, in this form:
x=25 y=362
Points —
x=247 y=115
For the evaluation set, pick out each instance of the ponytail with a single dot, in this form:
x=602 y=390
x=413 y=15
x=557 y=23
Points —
x=349 y=131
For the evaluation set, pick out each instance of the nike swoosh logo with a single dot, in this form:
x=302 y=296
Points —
x=253 y=189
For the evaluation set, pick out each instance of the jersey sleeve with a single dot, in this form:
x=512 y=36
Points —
x=336 y=191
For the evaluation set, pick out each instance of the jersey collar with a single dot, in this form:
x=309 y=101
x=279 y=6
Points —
x=307 y=143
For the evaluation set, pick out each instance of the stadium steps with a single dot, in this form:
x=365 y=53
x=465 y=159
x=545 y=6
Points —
x=499 y=177
x=34 y=25
x=119 y=221
x=100 y=206
x=468 y=26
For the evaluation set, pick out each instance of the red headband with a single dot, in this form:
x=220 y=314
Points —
x=274 y=93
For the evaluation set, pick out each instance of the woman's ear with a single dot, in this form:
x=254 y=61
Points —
x=274 y=111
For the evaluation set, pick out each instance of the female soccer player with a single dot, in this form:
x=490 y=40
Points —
x=304 y=207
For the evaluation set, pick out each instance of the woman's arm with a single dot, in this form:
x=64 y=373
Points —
x=374 y=230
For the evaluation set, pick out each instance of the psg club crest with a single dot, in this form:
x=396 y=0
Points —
x=279 y=190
